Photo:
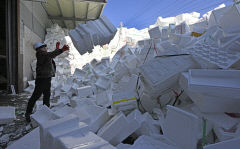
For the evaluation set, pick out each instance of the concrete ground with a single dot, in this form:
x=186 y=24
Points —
x=18 y=128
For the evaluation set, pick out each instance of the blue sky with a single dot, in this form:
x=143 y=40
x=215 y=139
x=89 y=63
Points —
x=142 y=13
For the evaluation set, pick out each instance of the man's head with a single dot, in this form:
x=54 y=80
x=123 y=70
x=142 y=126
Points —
x=40 y=46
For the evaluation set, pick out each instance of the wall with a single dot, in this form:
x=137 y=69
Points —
x=33 y=22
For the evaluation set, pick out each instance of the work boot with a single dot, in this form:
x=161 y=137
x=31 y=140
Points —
x=27 y=117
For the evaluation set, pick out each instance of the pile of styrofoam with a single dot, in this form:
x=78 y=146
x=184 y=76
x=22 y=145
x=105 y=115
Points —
x=167 y=91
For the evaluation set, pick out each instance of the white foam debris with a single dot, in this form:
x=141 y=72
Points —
x=7 y=114
x=161 y=87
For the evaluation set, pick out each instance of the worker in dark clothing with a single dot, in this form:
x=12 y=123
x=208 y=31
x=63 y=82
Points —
x=45 y=70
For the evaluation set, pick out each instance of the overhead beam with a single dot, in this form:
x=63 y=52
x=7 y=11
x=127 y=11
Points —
x=59 y=7
x=103 y=6
x=74 y=13
x=69 y=18
x=88 y=1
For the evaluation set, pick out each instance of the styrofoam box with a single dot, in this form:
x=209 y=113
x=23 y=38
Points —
x=113 y=127
x=46 y=141
x=229 y=144
x=86 y=140
x=43 y=115
x=220 y=82
x=155 y=32
x=162 y=73
x=85 y=91
x=122 y=96
x=131 y=126
x=187 y=132
x=7 y=114
x=28 y=141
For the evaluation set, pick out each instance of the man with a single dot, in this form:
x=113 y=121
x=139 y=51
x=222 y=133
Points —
x=45 y=70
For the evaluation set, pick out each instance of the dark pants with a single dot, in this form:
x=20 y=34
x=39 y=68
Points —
x=42 y=86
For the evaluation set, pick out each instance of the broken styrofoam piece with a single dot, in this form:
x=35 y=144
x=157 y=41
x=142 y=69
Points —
x=162 y=73
x=28 y=141
x=231 y=144
x=82 y=140
x=220 y=82
x=43 y=115
x=59 y=125
x=7 y=114
x=124 y=99
x=113 y=127
x=131 y=126
x=187 y=132
x=85 y=91
x=147 y=142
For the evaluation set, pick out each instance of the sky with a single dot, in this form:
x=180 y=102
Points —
x=142 y=13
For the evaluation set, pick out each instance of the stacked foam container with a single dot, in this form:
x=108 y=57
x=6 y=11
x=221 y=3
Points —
x=174 y=90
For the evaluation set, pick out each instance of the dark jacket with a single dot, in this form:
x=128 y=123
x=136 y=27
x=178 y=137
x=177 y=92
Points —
x=46 y=66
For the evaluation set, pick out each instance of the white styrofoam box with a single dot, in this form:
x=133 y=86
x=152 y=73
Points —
x=53 y=133
x=126 y=84
x=182 y=28
x=43 y=115
x=92 y=25
x=104 y=98
x=146 y=42
x=147 y=103
x=99 y=121
x=230 y=20
x=93 y=34
x=83 y=115
x=223 y=135
x=124 y=99
x=199 y=27
x=133 y=123
x=165 y=33
x=148 y=125
x=55 y=125
x=64 y=111
x=231 y=144
x=187 y=132
x=120 y=70
x=220 y=82
x=113 y=127
x=162 y=73
x=7 y=114
x=64 y=98
x=231 y=43
x=155 y=32
x=78 y=102
x=86 y=140
x=108 y=24
x=103 y=82
x=85 y=91
x=217 y=14
x=86 y=38
x=28 y=141
x=147 y=142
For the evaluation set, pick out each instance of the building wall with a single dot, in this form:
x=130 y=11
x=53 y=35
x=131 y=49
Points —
x=33 y=23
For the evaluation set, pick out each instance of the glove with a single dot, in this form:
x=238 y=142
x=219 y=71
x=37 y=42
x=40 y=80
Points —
x=57 y=45
x=65 y=48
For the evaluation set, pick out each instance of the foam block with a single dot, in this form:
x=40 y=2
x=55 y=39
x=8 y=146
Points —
x=7 y=114
x=43 y=115
x=113 y=127
x=187 y=132
x=28 y=141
